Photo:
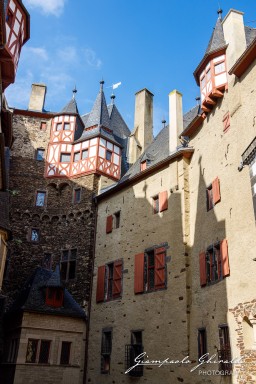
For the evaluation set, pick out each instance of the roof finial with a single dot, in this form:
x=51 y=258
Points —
x=101 y=84
x=220 y=11
x=74 y=92
x=113 y=99
x=163 y=122
x=198 y=98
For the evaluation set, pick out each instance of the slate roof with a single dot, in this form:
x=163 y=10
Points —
x=32 y=297
x=250 y=34
x=54 y=280
x=99 y=114
x=217 y=40
x=71 y=107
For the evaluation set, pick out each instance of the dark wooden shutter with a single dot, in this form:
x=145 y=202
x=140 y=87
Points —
x=109 y=224
x=224 y=257
x=202 y=264
x=139 y=273
x=100 y=294
x=216 y=190
x=163 y=201
x=160 y=275
x=117 y=278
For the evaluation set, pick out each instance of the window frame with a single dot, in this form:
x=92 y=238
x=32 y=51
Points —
x=66 y=124
x=224 y=352
x=37 y=157
x=43 y=126
x=110 y=281
x=68 y=262
x=30 y=235
x=202 y=342
x=69 y=353
x=109 y=152
x=49 y=255
x=75 y=200
x=106 y=350
x=39 y=351
x=45 y=195
x=65 y=154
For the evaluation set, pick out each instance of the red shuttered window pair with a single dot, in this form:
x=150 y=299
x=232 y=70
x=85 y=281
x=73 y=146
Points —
x=160 y=202
x=213 y=194
x=214 y=263
x=150 y=270
x=109 y=282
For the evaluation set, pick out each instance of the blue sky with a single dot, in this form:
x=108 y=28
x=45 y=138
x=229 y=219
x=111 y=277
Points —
x=154 y=44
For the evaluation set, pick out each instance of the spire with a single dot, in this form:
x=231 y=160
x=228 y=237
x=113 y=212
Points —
x=71 y=107
x=217 y=40
x=220 y=11
x=99 y=115
x=112 y=98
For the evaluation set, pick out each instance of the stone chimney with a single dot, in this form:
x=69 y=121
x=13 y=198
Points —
x=234 y=33
x=175 y=119
x=142 y=134
x=37 y=97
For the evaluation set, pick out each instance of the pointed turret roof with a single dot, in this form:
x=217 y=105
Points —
x=54 y=280
x=217 y=40
x=99 y=115
x=71 y=107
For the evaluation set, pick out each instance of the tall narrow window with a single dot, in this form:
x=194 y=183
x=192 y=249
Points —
x=76 y=156
x=106 y=348
x=85 y=154
x=224 y=353
x=108 y=155
x=68 y=264
x=43 y=126
x=213 y=194
x=47 y=261
x=109 y=283
x=77 y=195
x=40 y=198
x=131 y=352
x=66 y=126
x=32 y=350
x=202 y=345
x=65 y=353
x=34 y=235
x=117 y=219
x=44 y=352
x=40 y=154
x=156 y=204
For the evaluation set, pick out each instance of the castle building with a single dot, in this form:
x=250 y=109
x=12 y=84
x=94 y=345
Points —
x=175 y=243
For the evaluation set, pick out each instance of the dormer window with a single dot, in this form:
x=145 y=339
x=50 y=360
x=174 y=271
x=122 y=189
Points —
x=54 y=297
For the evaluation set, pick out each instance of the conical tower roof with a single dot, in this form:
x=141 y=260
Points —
x=217 y=40
x=71 y=107
x=99 y=115
x=54 y=280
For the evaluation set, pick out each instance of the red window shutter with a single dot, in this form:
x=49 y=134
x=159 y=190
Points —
x=224 y=257
x=226 y=122
x=100 y=294
x=163 y=201
x=139 y=273
x=160 y=267
x=117 y=278
x=109 y=224
x=202 y=264
x=216 y=190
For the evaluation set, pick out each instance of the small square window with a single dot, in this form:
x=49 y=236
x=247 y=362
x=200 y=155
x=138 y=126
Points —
x=40 y=154
x=65 y=157
x=43 y=126
x=40 y=198
x=65 y=353
x=77 y=195
x=34 y=235
x=108 y=155
x=156 y=204
x=58 y=126
x=66 y=127
x=85 y=154
x=76 y=156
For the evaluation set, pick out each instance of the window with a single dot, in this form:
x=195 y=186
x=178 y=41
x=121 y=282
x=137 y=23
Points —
x=109 y=282
x=224 y=353
x=38 y=351
x=77 y=195
x=40 y=198
x=160 y=202
x=66 y=126
x=34 y=235
x=58 y=126
x=43 y=126
x=219 y=68
x=40 y=154
x=54 y=297
x=76 y=156
x=13 y=351
x=65 y=157
x=213 y=194
x=85 y=154
x=108 y=155
x=202 y=345
x=214 y=263
x=9 y=18
x=150 y=270
x=117 y=219
x=131 y=352
x=106 y=348
x=68 y=264
x=47 y=261
x=226 y=122
x=65 y=353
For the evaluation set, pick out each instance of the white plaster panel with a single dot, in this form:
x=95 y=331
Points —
x=18 y=15
x=7 y=31
x=93 y=141
x=77 y=147
x=221 y=79
x=13 y=38
x=72 y=118
x=85 y=144
x=12 y=50
x=12 y=5
x=110 y=146
x=16 y=27
x=72 y=126
x=116 y=159
x=209 y=87
x=92 y=151
x=66 y=118
x=103 y=142
x=102 y=152
x=219 y=58
x=51 y=172
x=56 y=119
x=60 y=119
x=69 y=148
